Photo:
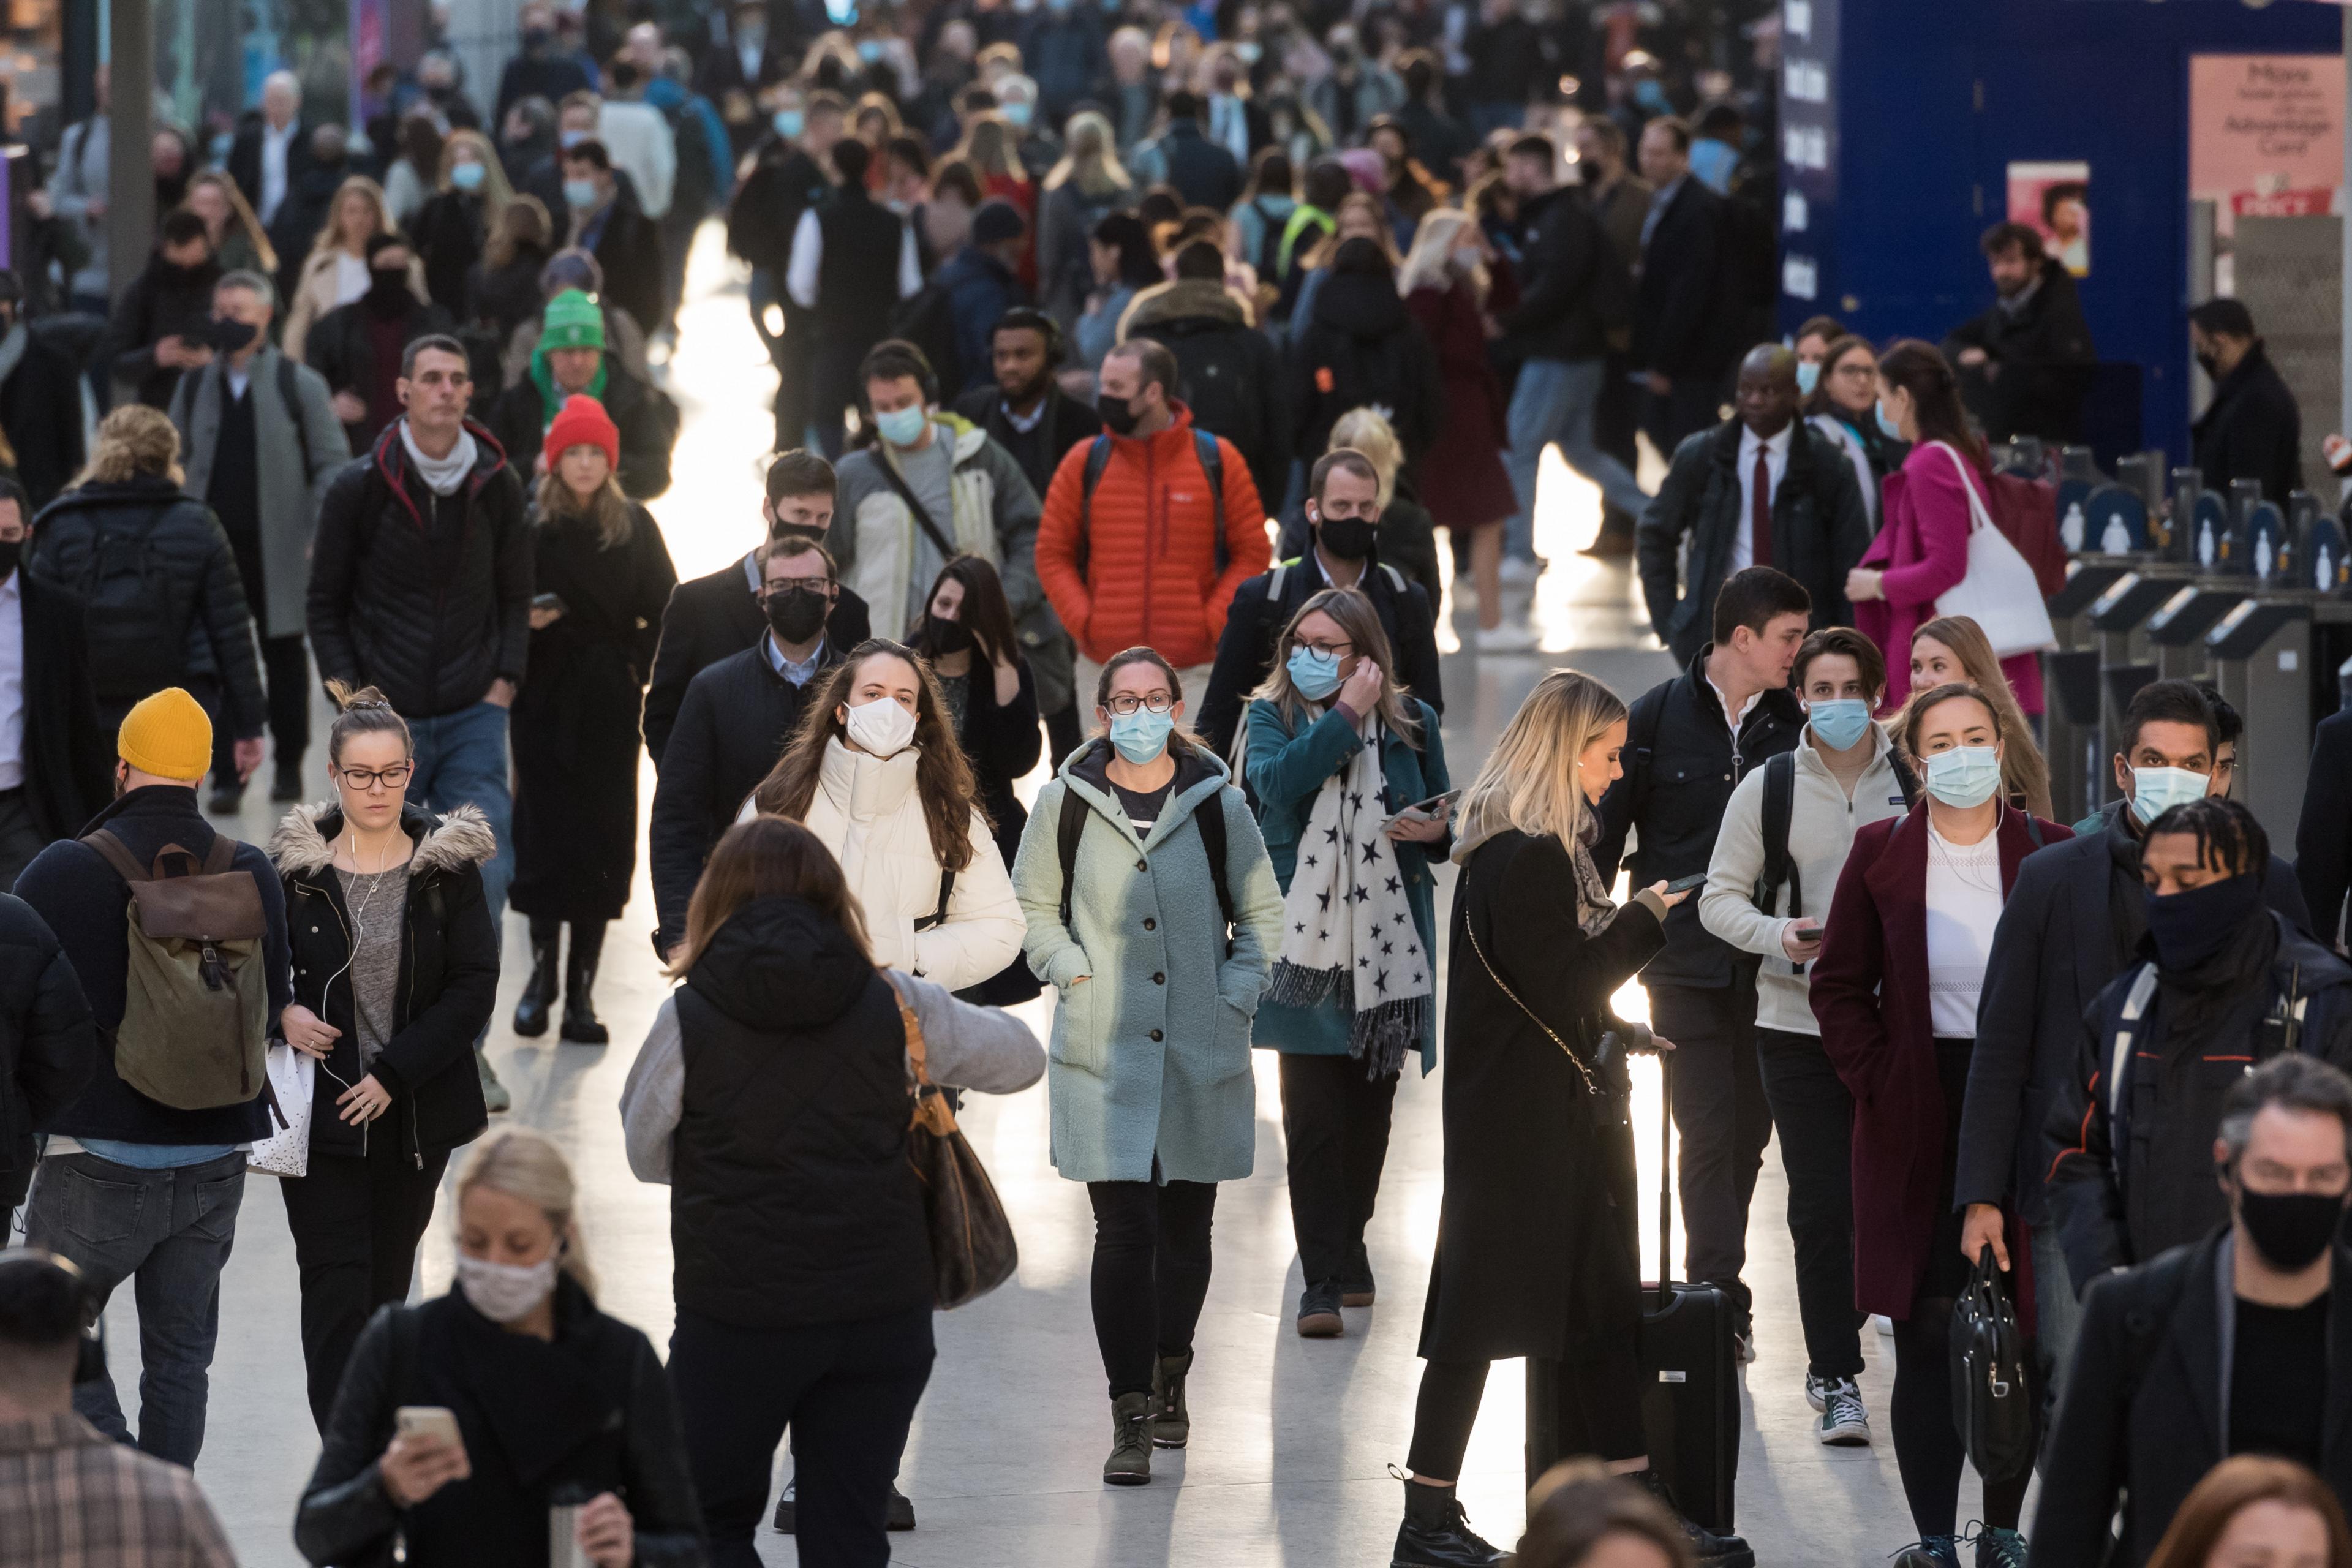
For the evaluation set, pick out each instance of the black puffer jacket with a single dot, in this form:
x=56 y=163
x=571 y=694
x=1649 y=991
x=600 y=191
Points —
x=1363 y=348
x=426 y=598
x=448 y=977
x=163 y=604
x=48 y=1049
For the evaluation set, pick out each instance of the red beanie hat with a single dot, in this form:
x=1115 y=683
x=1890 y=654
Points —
x=582 y=422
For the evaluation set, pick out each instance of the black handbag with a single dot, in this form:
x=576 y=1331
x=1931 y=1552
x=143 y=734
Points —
x=972 y=1251
x=1992 y=1390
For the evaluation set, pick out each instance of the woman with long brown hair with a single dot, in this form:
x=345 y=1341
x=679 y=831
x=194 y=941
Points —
x=781 y=1065
x=336 y=271
x=238 y=243
x=1953 y=647
x=1843 y=405
x=604 y=579
x=503 y=287
x=2255 y=1511
x=453 y=225
x=876 y=772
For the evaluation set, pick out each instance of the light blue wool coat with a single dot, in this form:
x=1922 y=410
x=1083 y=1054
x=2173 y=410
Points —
x=1286 y=772
x=1151 y=1055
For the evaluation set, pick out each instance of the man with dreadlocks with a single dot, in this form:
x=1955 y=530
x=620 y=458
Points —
x=2221 y=985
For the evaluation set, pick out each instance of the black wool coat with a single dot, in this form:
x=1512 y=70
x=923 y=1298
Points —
x=69 y=758
x=2045 y=355
x=2252 y=429
x=44 y=426
x=1535 y=1247
x=574 y=724
x=48 y=1049
x=448 y=986
x=712 y=618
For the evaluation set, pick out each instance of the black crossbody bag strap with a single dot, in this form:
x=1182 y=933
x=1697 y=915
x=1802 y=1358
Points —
x=947 y=552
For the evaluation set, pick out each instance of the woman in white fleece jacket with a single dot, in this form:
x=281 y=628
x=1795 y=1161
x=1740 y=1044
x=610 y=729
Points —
x=1845 y=774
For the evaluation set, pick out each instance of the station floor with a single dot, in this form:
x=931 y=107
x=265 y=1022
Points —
x=1292 y=1439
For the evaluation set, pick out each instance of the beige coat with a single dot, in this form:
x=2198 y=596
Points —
x=314 y=296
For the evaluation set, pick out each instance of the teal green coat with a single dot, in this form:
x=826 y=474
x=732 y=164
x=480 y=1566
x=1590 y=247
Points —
x=1285 y=772
x=1151 y=1055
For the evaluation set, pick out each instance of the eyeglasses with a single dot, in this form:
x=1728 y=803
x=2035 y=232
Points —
x=1127 y=702
x=1339 y=649
x=393 y=777
x=775 y=585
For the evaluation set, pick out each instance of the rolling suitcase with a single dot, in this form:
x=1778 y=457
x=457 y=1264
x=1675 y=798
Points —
x=1690 y=1377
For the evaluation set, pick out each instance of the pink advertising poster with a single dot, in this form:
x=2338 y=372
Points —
x=2055 y=200
x=2266 y=135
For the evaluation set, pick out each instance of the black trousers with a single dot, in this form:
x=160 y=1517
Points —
x=1616 y=418
x=1722 y=1122
x=1150 y=1274
x=356 y=1222
x=1815 y=1116
x=1600 y=1408
x=1694 y=403
x=849 y=1392
x=794 y=354
x=285 y=675
x=1336 y=1122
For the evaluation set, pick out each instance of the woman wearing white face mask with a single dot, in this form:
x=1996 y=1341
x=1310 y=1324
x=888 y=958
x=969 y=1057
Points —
x=1894 y=993
x=876 y=772
x=554 y=1406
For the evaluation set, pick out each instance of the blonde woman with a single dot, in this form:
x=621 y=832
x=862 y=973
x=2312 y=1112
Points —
x=539 y=1384
x=1086 y=184
x=336 y=271
x=453 y=226
x=238 y=243
x=1338 y=750
x=1448 y=287
x=1536 y=1252
x=1953 y=647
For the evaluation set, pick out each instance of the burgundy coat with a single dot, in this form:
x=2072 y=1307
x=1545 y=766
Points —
x=1870 y=995
x=1461 y=478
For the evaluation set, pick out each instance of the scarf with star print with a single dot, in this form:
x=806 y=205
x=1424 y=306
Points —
x=1347 y=930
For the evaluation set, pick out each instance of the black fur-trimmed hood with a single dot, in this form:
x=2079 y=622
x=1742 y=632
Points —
x=303 y=844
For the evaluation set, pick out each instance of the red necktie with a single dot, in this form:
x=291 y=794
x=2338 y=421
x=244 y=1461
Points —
x=1759 y=523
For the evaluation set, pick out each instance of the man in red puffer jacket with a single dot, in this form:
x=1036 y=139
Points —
x=1134 y=558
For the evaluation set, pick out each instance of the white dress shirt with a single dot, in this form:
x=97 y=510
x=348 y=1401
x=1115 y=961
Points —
x=1229 y=126
x=1776 y=465
x=274 y=143
x=808 y=256
x=12 y=681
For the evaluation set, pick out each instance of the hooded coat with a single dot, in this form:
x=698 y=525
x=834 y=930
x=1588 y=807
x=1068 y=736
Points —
x=1363 y=348
x=1149 y=1067
x=1230 y=374
x=447 y=985
x=888 y=558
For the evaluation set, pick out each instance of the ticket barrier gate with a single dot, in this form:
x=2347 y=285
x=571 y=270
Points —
x=2221 y=542
x=2275 y=656
x=2113 y=518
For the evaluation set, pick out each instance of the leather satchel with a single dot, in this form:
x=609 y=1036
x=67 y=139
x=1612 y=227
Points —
x=1992 y=1391
x=972 y=1250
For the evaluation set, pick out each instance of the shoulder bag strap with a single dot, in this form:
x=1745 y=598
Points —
x=915 y=509
x=1068 y=828
x=939 y=917
x=116 y=854
x=1470 y=930
x=221 y=857
x=1977 y=516
x=930 y=1110
x=1209 y=818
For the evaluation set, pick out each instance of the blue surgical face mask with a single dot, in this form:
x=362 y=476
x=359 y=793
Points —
x=901 y=426
x=1016 y=114
x=581 y=194
x=2155 y=791
x=1314 y=671
x=1887 y=425
x=570 y=137
x=788 y=123
x=1808 y=376
x=1839 y=722
x=1651 y=96
x=870 y=50
x=467 y=176
x=1141 y=736
x=1964 y=776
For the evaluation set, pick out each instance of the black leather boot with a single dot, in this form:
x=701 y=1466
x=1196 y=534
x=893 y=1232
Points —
x=1712 y=1551
x=580 y=1025
x=538 y=993
x=1436 y=1533
x=287 y=786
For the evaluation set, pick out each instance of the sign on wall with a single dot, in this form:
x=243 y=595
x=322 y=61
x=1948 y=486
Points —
x=2266 y=135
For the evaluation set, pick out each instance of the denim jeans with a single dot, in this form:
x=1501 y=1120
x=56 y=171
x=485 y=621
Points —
x=461 y=759
x=169 y=1231
x=1554 y=401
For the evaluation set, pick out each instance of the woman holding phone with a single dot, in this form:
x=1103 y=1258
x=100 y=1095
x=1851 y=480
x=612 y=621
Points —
x=1336 y=754
x=1536 y=1252
x=471 y=1428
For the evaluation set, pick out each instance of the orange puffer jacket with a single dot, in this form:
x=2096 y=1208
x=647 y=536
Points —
x=1151 y=577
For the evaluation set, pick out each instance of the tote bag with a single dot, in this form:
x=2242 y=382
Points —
x=1999 y=590
x=286 y=1150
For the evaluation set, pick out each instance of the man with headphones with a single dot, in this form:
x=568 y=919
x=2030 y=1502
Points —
x=1026 y=412
x=68 y=1495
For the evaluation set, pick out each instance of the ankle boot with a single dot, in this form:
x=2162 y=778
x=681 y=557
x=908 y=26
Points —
x=1436 y=1533
x=539 y=995
x=580 y=1025
x=1172 y=1423
x=1711 y=1549
x=1129 y=1464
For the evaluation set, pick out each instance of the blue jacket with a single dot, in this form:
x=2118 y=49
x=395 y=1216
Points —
x=1285 y=773
x=1150 y=1058
x=980 y=289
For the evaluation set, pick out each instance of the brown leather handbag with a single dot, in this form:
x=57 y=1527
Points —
x=972 y=1250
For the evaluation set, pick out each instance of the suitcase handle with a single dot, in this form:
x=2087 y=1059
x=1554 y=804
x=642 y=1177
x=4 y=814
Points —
x=1665 y=1177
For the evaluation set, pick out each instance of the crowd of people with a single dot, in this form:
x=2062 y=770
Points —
x=1129 y=362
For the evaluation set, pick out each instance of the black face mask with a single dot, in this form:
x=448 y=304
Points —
x=1347 y=538
x=1118 y=418
x=2191 y=927
x=2209 y=366
x=229 y=335
x=387 y=292
x=2290 y=1229
x=796 y=614
x=10 y=550
x=947 y=636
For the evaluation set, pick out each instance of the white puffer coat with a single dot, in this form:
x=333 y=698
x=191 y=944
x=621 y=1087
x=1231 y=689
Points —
x=869 y=814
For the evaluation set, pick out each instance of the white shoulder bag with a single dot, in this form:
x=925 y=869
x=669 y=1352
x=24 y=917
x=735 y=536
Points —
x=2000 y=592
x=286 y=1150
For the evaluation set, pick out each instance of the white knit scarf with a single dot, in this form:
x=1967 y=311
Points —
x=1347 y=929
x=441 y=475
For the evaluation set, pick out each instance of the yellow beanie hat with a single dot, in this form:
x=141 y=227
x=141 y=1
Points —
x=168 y=734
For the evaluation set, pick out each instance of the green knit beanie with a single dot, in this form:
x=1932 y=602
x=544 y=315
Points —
x=572 y=321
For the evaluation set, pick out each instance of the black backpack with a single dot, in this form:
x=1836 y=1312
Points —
x=1218 y=380
x=1209 y=818
x=1212 y=466
x=1269 y=245
x=137 y=617
x=1779 y=804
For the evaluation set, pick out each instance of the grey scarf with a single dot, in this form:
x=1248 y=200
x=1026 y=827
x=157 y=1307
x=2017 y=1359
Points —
x=1594 y=909
x=441 y=475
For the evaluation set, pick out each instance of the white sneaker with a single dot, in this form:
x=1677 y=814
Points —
x=1844 y=1422
x=1883 y=1324
x=1511 y=636
x=1519 y=575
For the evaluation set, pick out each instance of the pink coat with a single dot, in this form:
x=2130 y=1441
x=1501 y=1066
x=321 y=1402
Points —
x=1923 y=549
